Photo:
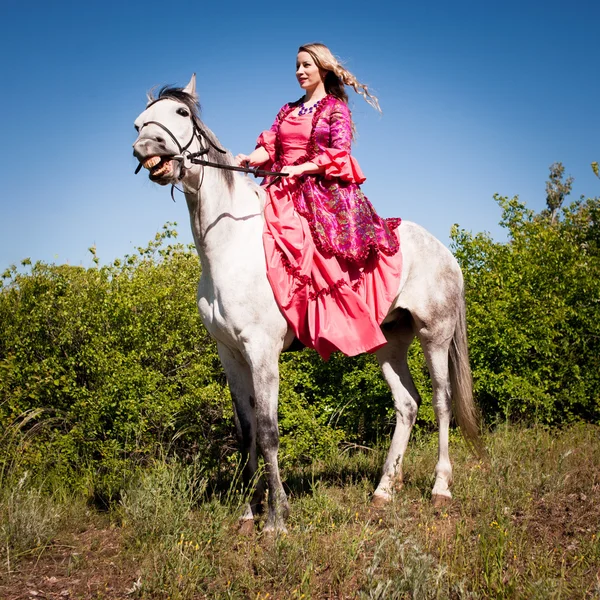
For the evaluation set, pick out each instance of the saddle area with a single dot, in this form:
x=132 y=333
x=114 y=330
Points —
x=332 y=302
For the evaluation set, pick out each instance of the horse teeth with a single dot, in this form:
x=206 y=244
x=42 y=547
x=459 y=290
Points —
x=151 y=162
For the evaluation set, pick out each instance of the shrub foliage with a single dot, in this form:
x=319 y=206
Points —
x=533 y=313
x=117 y=358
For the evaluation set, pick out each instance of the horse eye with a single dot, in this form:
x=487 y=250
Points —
x=182 y=112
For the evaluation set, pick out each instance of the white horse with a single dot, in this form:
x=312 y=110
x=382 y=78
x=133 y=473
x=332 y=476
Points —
x=238 y=308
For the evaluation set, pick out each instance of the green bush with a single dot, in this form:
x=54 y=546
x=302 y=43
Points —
x=349 y=395
x=115 y=364
x=118 y=357
x=533 y=313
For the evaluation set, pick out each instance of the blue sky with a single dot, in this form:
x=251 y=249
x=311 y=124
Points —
x=478 y=98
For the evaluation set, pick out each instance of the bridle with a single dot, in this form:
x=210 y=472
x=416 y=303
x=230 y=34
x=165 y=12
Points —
x=187 y=158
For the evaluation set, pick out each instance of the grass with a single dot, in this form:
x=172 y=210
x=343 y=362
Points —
x=525 y=523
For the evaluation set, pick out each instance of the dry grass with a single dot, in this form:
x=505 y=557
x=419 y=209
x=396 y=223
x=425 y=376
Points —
x=523 y=524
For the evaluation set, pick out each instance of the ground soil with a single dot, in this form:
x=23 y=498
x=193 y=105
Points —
x=89 y=560
x=85 y=563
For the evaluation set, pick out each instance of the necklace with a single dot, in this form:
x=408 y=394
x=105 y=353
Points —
x=304 y=110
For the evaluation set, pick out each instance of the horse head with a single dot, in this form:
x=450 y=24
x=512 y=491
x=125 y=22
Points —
x=168 y=133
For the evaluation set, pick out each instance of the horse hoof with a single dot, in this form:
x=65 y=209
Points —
x=439 y=501
x=379 y=501
x=246 y=527
x=273 y=531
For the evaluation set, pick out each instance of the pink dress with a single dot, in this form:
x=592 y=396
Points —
x=333 y=264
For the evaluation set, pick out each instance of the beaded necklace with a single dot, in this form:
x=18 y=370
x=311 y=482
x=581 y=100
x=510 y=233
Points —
x=308 y=110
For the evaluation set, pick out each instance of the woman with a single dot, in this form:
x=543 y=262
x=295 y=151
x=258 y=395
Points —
x=333 y=264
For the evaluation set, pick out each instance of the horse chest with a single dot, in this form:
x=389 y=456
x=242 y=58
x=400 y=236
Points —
x=236 y=308
x=223 y=314
x=217 y=320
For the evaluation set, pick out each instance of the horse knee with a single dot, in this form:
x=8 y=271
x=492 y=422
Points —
x=267 y=436
x=406 y=412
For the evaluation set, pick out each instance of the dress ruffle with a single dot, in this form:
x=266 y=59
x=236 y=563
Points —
x=339 y=164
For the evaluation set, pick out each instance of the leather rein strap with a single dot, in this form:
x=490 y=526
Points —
x=253 y=170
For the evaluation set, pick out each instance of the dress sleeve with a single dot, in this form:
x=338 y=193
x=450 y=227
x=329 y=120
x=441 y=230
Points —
x=336 y=160
x=267 y=140
x=268 y=137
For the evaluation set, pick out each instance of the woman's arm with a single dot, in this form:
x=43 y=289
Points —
x=307 y=168
x=336 y=161
x=341 y=128
x=265 y=145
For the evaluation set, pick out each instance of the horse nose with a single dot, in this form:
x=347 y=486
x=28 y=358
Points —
x=140 y=147
x=150 y=141
x=159 y=139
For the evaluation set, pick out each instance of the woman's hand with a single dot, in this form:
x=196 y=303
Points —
x=256 y=158
x=241 y=160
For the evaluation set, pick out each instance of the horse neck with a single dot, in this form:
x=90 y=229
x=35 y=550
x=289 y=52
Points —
x=222 y=216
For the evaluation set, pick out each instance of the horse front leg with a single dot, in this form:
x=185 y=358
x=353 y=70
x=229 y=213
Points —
x=263 y=357
x=239 y=379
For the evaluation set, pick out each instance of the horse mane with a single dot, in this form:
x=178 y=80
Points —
x=168 y=92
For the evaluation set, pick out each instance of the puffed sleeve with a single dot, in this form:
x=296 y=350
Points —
x=336 y=160
x=267 y=138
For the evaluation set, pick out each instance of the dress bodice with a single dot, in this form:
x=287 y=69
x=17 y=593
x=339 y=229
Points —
x=294 y=134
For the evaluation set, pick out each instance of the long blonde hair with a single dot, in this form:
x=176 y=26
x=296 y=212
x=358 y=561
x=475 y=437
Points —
x=337 y=75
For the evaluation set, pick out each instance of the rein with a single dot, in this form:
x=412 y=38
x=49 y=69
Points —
x=186 y=157
x=253 y=170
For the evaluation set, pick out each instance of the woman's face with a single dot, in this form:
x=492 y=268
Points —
x=309 y=76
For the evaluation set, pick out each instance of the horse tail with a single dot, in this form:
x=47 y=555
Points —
x=461 y=382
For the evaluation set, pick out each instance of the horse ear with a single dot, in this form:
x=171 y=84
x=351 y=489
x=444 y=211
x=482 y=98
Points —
x=190 y=88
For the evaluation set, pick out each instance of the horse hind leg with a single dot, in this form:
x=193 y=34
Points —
x=443 y=337
x=394 y=364
x=436 y=355
x=239 y=380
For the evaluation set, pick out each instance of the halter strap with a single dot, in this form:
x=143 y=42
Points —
x=182 y=149
x=198 y=132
